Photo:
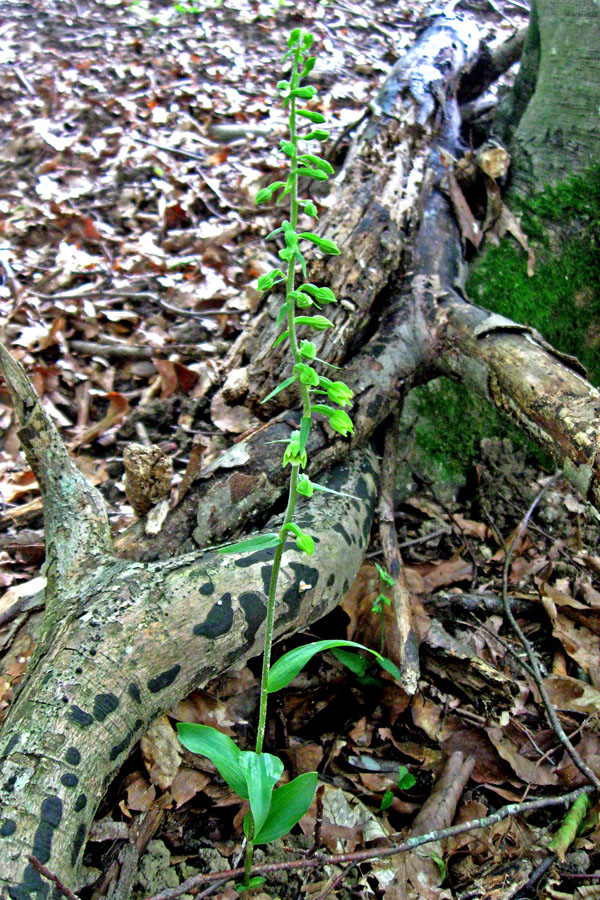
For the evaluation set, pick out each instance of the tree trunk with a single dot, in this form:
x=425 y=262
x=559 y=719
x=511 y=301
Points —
x=557 y=95
x=123 y=640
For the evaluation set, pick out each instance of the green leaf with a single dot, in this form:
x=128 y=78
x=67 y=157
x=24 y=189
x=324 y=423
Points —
x=294 y=37
x=262 y=772
x=254 y=882
x=258 y=542
x=386 y=800
x=282 y=314
x=315 y=117
x=290 y=664
x=388 y=666
x=273 y=234
x=317 y=135
x=280 y=387
x=281 y=338
x=354 y=662
x=406 y=780
x=441 y=865
x=220 y=749
x=326 y=490
x=308 y=66
x=288 y=804
x=305 y=426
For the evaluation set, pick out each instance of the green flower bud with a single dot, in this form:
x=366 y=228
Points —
x=338 y=392
x=319 y=323
x=305 y=486
x=308 y=350
x=310 y=209
x=306 y=543
x=341 y=422
x=266 y=282
x=306 y=375
x=293 y=455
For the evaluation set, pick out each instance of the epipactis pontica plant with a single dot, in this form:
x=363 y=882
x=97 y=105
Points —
x=254 y=774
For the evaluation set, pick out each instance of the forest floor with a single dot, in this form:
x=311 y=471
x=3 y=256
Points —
x=134 y=138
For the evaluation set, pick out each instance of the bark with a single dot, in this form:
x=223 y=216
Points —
x=123 y=640
x=558 y=126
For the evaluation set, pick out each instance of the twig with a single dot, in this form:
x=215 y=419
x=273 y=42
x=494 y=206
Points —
x=50 y=876
x=408 y=647
x=512 y=809
x=199 y=314
x=318 y=820
x=536 y=876
x=537 y=675
x=334 y=883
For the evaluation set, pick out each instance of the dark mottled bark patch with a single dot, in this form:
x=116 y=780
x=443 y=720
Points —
x=11 y=745
x=69 y=780
x=164 y=679
x=80 y=803
x=255 y=611
x=81 y=717
x=331 y=580
x=218 y=621
x=254 y=559
x=207 y=589
x=362 y=489
x=306 y=578
x=125 y=743
x=50 y=816
x=8 y=827
x=73 y=756
x=9 y=784
x=339 y=529
x=134 y=692
x=33 y=885
x=104 y=705
x=78 y=843
x=265 y=574
x=366 y=529
x=373 y=408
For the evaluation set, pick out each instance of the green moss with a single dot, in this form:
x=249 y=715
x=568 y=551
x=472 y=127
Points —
x=451 y=421
x=561 y=300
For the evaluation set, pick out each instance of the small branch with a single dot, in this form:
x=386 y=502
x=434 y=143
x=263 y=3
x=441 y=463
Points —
x=531 y=656
x=75 y=516
x=50 y=876
x=400 y=592
x=512 y=809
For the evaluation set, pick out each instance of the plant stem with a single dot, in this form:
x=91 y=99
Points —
x=293 y=492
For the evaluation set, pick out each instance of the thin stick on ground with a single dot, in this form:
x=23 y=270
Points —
x=583 y=767
x=512 y=809
x=400 y=592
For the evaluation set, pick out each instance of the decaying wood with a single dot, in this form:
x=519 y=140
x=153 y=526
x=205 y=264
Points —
x=123 y=640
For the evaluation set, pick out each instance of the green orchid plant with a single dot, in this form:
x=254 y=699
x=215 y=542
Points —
x=253 y=775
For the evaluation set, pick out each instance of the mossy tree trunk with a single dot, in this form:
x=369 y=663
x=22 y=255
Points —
x=552 y=117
